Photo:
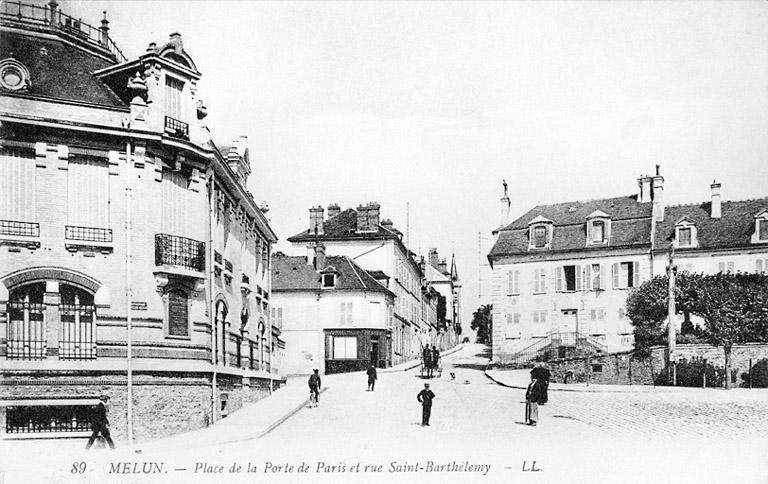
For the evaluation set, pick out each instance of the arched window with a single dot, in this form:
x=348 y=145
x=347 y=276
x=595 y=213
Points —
x=77 y=336
x=26 y=322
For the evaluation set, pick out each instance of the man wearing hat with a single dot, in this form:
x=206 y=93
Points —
x=425 y=397
x=100 y=424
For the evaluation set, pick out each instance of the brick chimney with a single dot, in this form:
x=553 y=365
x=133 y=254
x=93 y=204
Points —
x=504 y=206
x=319 y=257
x=442 y=266
x=716 y=203
x=433 y=257
x=316 y=220
x=311 y=254
x=658 y=196
x=387 y=224
x=333 y=210
x=362 y=218
x=644 y=183
x=373 y=216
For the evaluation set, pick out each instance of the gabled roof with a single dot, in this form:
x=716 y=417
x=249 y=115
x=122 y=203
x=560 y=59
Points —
x=540 y=220
x=59 y=70
x=733 y=229
x=434 y=275
x=630 y=225
x=290 y=273
x=598 y=214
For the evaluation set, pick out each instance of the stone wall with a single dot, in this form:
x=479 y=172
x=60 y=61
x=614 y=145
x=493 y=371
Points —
x=163 y=404
x=694 y=361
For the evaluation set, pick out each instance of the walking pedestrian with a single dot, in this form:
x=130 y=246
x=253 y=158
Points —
x=371 y=377
x=314 y=385
x=100 y=424
x=435 y=357
x=534 y=395
x=425 y=397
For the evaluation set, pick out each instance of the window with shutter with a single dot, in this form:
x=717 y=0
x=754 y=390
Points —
x=730 y=266
x=721 y=267
x=558 y=278
x=598 y=231
x=759 y=266
x=615 y=274
x=173 y=90
x=579 y=277
x=17 y=187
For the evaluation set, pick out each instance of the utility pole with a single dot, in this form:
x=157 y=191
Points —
x=128 y=290
x=671 y=272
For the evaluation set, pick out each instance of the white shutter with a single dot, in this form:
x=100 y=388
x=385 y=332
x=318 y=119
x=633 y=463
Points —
x=730 y=266
x=510 y=282
x=636 y=274
x=588 y=277
x=759 y=267
x=579 y=270
x=17 y=187
x=558 y=278
x=602 y=280
x=536 y=280
x=174 y=194
x=342 y=311
x=516 y=284
x=88 y=193
x=615 y=273
x=721 y=267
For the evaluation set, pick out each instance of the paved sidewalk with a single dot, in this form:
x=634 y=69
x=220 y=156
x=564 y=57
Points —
x=521 y=378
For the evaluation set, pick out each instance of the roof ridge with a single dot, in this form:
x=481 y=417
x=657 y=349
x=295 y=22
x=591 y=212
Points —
x=588 y=200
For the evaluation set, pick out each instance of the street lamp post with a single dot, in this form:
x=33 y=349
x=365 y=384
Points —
x=671 y=310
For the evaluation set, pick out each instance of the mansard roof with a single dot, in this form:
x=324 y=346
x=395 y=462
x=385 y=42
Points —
x=58 y=70
x=290 y=273
x=733 y=229
x=630 y=225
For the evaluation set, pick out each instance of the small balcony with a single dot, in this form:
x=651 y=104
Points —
x=176 y=128
x=95 y=239
x=18 y=233
x=179 y=252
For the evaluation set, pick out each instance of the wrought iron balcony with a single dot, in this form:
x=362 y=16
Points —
x=173 y=250
x=22 y=229
x=176 y=128
x=90 y=234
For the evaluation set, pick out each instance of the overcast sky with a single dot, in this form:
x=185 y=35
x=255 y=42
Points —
x=432 y=104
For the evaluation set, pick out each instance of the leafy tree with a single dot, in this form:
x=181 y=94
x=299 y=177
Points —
x=734 y=308
x=482 y=322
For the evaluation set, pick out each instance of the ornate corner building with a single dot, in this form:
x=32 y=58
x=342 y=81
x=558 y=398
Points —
x=133 y=260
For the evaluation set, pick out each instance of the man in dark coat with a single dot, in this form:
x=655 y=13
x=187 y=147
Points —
x=371 y=377
x=314 y=384
x=534 y=395
x=427 y=357
x=435 y=356
x=100 y=424
x=425 y=397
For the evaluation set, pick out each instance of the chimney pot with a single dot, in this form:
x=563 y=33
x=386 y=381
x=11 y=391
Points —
x=505 y=204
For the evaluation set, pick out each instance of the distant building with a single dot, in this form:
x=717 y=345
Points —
x=335 y=316
x=446 y=283
x=562 y=272
x=376 y=246
x=108 y=179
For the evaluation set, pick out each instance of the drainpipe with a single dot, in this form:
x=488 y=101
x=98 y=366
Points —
x=128 y=291
x=211 y=306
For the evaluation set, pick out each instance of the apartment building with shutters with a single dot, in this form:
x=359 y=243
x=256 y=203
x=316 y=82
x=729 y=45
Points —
x=127 y=238
x=376 y=246
x=335 y=316
x=562 y=272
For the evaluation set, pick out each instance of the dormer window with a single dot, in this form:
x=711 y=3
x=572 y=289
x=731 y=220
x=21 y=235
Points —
x=598 y=228
x=685 y=234
x=329 y=277
x=761 y=228
x=329 y=280
x=540 y=233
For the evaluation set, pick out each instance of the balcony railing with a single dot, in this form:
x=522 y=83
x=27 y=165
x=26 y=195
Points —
x=176 y=128
x=89 y=234
x=47 y=419
x=173 y=250
x=44 y=16
x=23 y=229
